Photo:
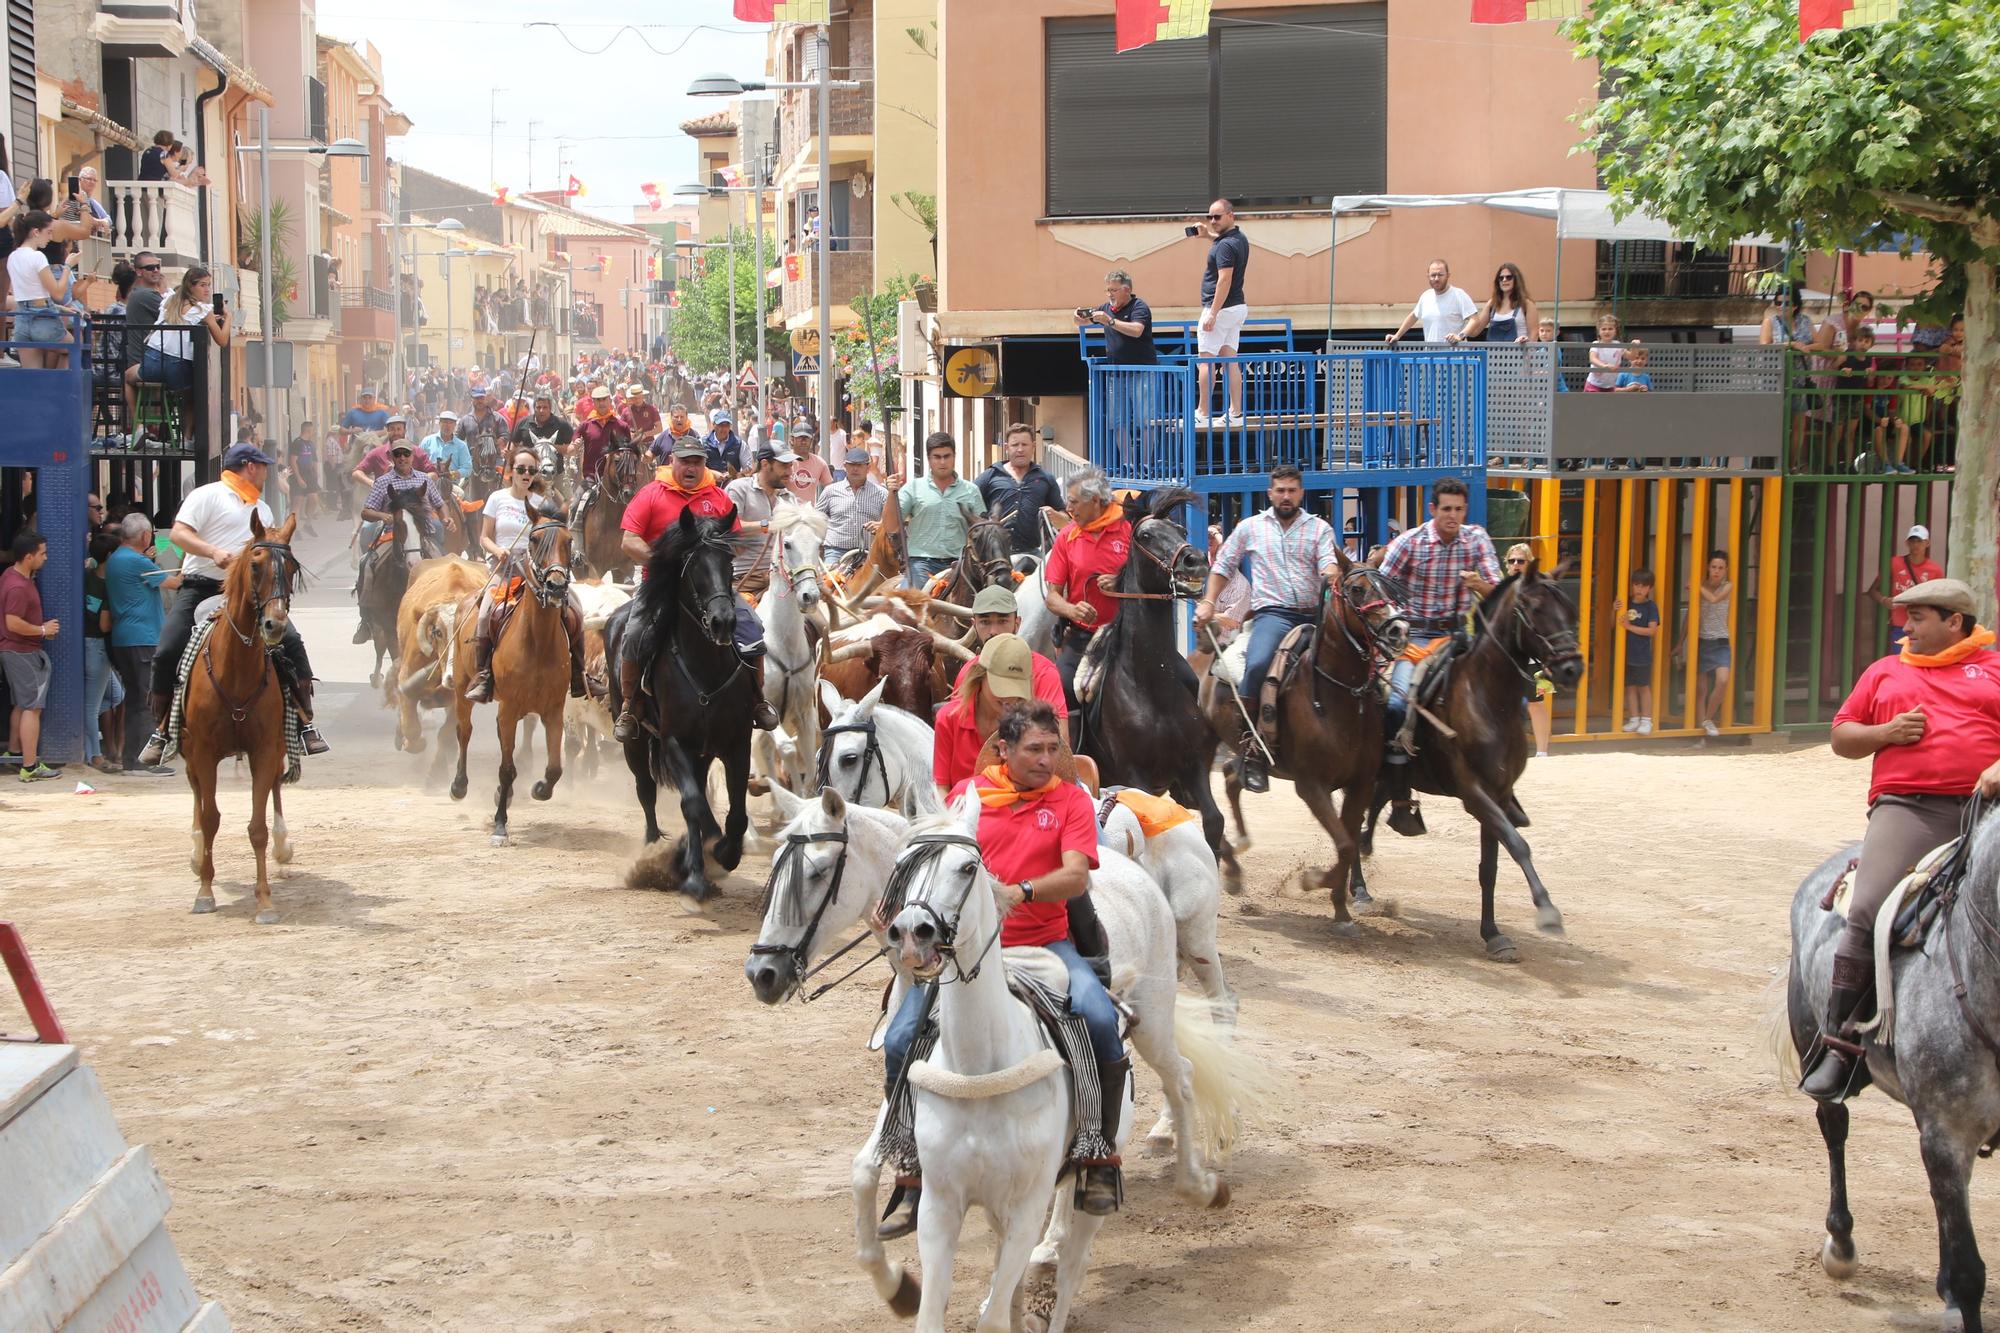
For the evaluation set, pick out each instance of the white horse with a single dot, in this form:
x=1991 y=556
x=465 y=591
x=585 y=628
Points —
x=876 y=754
x=790 y=665
x=1038 y=623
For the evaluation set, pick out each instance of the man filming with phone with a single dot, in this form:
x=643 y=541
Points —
x=1127 y=322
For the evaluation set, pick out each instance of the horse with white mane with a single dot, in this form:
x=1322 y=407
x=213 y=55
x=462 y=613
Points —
x=791 y=659
x=875 y=754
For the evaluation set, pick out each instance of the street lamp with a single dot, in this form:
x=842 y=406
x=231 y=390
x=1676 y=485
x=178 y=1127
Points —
x=757 y=188
x=263 y=148
x=730 y=246
x=823 y=82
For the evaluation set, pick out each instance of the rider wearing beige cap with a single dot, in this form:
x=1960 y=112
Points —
x=1929 y=718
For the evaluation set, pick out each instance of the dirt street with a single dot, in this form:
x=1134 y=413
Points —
x=462 y=1087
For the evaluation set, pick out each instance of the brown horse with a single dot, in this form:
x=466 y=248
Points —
x=596 y=532
x=426 y=628
x=530 y=667
x=1330 y=719
x=236 y=706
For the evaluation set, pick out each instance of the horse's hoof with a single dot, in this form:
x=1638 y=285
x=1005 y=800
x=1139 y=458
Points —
x=268 y=917
x=1549 y=920
x=1501 y=950
x=497 y=840
x=909 y=1295
x=1358 y=897
x=283 y=853
x=1838 y=1266
x=541 y=791
x=1346 y=930
x=203 y=906
x=1220 y=1199
x=1232 y=880
x=374 y=680
x=415 y=745
x=458 y=786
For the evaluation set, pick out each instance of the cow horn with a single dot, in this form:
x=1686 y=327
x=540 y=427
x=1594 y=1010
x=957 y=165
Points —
x=950 y=609
x=954 y=647
x=417 y=681
x=849 y=652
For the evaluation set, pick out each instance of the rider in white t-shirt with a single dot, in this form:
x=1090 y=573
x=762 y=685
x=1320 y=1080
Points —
x=506 y=531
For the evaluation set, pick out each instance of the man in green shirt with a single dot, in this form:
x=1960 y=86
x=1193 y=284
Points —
x=937 y=510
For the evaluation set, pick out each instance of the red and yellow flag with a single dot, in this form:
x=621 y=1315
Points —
x=795 y=268
x=575 y=187
x=1524 y=11
x=500 y=195
x=1142 y=22
x=783 y=11
x=651 y=190
x=1818 y=15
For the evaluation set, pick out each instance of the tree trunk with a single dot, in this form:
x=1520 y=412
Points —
x=1975 y=495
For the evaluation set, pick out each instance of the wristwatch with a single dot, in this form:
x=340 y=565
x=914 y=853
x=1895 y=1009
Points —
x=1027 y=891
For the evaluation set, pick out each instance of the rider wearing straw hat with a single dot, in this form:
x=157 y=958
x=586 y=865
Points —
x=1929 y=718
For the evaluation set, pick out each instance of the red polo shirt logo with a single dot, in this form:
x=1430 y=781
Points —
x=1045 y=819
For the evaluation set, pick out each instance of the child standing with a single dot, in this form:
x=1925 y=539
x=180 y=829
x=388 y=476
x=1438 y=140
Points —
x=1607 y=357
x=1642 y=625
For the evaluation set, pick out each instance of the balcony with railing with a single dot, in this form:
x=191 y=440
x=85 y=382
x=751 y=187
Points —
x=160 y=216
x=316 y=110
x=1890 y=413
x=366 y=312
x=850 y=273
x=852 y=112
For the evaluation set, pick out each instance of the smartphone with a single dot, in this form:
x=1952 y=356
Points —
x=1082 y=313
x=1192 y=229
x=218 y=303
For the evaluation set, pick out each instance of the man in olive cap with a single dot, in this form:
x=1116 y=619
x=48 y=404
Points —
x=1929 y=718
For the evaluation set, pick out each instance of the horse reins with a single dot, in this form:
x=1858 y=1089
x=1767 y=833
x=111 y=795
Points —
x=921 y=853
x=280 y=561
x=871 y=752
x=706 y=697
x=790 y=909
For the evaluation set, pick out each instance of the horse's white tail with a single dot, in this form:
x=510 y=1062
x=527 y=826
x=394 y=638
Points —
x=1229 y=1081
x=1774 y=1030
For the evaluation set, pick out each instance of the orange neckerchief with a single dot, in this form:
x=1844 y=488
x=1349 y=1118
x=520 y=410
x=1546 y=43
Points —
x=665 y=476
x=1111 y=514
x=250 y=495
x=1980 y=637
x=1003 y=793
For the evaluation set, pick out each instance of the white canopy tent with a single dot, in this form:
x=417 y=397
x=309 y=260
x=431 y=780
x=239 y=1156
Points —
x=1578 y=214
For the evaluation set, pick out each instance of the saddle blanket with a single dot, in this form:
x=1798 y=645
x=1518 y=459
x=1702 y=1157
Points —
x=1156 y=814
x=1908 y=889
x=207 y=616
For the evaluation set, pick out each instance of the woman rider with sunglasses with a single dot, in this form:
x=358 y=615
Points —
x=505 y=526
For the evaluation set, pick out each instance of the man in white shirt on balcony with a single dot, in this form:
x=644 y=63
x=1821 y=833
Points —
x=1442 y=309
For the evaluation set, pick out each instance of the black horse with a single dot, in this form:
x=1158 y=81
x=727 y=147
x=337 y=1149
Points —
x=682 y=625
x=1144 y=723
x=1525 y=626
x=385 y=574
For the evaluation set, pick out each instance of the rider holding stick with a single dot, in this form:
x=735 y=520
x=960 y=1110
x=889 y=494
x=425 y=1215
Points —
x=1929 y=719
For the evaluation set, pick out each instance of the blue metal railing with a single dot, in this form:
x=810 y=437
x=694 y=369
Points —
x=1178 y=338
x=1349 y=411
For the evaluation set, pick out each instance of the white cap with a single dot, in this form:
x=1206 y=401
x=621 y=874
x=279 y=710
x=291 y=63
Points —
x=1918 y=531
x=447 y=415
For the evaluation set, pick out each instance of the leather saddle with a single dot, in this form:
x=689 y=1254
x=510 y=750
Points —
x=1294 y=651
x=1924 y=892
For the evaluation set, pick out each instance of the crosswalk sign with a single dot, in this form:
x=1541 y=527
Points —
x=804 y=365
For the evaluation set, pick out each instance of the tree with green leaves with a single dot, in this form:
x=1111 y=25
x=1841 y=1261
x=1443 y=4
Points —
x=865 y=352
x=700 y=328
x=1716 y=117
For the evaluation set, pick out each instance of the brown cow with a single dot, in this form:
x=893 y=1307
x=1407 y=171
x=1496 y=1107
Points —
x=911 y=660
x=424 y=623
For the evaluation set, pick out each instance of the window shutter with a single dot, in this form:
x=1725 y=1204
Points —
x=1305 y=106
x=1126 y=133
x=24 y=155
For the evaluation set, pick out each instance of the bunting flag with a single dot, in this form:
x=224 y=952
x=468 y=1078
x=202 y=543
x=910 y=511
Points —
x=795 y=268
x=783 y=11
x=574 y=188
x=1141 y=22
x=652 y=268
x=1819 y=15
x=603 y=264
x=730 y=176
x=651 y=189
x=674 y=298
x=776 y=277
x=500 y=196
x=1524 y=11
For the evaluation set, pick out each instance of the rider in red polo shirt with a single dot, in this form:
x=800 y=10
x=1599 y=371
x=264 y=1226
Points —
x=1082 y=567
x=685 y=483
x=1038 y=837
x=1929 y=718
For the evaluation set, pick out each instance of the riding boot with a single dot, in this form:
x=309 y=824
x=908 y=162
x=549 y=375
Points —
x=1102 y=1188
x=302 y=699
x=480 y=689
x=1086 y=930
x=573 y=627
x=1832 y=1077
x=627 y=726
x=1252 y=768
x=1406 y=814
x=901 y=1219
x=762 y=715
x=362 y=631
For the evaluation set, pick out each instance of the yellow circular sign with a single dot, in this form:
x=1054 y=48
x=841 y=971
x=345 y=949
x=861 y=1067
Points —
x=972 y=372
x=805 y=341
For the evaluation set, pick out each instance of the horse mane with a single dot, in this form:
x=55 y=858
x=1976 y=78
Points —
x=1163 y=502
x=789 y=515
x=657 y=595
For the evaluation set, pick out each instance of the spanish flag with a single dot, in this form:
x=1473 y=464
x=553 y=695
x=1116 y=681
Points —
x=651 y=190
x=574 y=188
x=1142 y=22
x=783 y=11
x=1818 y=15
x=795 y=268
x=1524 y=11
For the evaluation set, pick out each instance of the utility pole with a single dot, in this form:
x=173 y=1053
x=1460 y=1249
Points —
x=493 y=124
x=531 y=152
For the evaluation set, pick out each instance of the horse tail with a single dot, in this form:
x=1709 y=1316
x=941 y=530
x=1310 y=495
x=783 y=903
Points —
x=1774 y=1030
x=1229 y=1081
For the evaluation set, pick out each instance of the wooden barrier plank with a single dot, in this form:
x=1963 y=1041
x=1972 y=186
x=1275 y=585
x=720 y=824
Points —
x=1770 y=576
x=51 y=1154
x=60 y=1272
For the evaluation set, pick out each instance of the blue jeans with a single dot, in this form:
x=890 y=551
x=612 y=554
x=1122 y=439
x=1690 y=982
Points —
x=1268 y=629
x=924 y=568
x=1088 y=1000
x=1399 y=683
x=101 y=690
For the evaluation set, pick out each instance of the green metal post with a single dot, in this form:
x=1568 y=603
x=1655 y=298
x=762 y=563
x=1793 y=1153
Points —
x=1816 y=629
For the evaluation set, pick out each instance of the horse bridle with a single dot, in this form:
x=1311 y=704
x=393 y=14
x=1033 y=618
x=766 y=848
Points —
x=1168 y=564
x=1367 y=646
x=549 y=583
x=725 y=598
x=871 y=753
x=791 y=906
x=281 y=562
x=1559 y=647
x=920 y=854
x=999 y=571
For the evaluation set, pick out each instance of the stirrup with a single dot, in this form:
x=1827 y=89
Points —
x=900 y=1218
x=1407 y=817
x=763 y=716
x=480 y=691
x=1832 y=1076
x=154 y=750
x=314 y=742
x=626 y=727
x=1252 y=771
x=1100 y=1188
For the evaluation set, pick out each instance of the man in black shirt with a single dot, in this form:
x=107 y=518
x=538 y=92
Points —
x=1223 y=308
x=1016 y=490
x=1128 y=341
x=142 y=312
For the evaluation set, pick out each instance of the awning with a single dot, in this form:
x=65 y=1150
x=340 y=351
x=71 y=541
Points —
x=1578 y=214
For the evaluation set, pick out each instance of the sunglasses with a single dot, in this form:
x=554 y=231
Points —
x=1516 y=561
x=149 y=268
x=1215 y=217
x=519 y=468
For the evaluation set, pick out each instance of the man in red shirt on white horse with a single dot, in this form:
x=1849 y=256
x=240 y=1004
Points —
x=685 y=483
x=1929 y=718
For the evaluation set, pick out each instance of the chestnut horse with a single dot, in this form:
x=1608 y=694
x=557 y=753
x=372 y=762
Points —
x=236 y=706
x=530 y=667
x=597 y=533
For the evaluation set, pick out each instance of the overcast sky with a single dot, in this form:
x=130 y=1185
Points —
x=620 y=111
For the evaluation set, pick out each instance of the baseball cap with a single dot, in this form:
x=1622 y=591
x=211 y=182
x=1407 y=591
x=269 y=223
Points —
x=775 y=453
x=398 y=419
x=720 y=417
x=240 y=454
x=479 y=391
x=857 y=455
x=365 y=393
x=1919 y=531
x=402 y=447
x=689 y=447
x=1010 y=666
x=1944 y=594
x=447 y=415
x=994 y=600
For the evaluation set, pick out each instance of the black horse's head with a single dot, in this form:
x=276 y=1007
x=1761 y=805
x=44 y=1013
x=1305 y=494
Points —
x=988 y=558
x=691 y=572
x=1535 y=621
x=1162 y=559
